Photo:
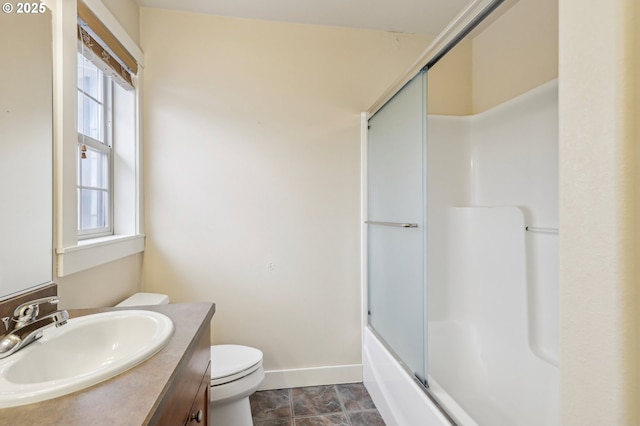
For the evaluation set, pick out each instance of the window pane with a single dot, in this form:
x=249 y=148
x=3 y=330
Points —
x=90 y=117
x=93 y=209
x=89 y=78
x=94 y=170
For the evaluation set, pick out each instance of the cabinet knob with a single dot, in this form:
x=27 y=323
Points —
x=197 y=416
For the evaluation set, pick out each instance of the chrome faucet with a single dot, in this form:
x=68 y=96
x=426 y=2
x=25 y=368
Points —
x=25 y=327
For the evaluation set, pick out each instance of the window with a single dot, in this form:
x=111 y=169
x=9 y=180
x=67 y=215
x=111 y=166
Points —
x=95 y=147
x=100 y=197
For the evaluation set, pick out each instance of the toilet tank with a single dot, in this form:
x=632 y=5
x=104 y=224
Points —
x=144 y=299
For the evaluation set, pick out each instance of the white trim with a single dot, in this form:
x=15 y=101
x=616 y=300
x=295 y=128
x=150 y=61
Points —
x=105 y=16
x=65 y=48
x=315 y=376
x=451 y=31
x=88 y=254
x=139 y=154
x=364 y=148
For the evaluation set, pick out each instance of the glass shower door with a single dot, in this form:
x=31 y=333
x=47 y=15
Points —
x=396 y=231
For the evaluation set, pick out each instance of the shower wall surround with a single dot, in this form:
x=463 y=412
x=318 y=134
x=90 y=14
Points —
x=492 y=285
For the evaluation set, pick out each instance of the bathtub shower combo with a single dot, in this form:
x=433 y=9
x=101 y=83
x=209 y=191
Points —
x=461 y=261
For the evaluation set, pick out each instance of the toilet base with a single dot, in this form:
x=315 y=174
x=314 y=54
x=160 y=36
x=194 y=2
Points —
x=234 y=413
x=229 y=403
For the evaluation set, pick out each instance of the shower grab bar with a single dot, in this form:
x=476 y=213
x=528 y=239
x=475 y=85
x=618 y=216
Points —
x=545 y=230
x=396 y=224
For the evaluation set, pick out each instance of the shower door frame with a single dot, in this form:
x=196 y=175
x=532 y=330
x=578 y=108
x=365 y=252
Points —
x=422 y=224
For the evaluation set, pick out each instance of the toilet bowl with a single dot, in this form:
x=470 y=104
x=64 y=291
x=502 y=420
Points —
x=236 y=373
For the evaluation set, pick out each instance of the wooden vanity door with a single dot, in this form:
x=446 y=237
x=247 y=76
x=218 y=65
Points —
x=199 y=413
x=189 y=389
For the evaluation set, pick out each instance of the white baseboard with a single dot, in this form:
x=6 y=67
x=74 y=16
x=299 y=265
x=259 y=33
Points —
x=300 y=377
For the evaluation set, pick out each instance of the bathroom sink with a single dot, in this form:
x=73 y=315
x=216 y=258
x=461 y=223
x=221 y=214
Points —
x=85 y=351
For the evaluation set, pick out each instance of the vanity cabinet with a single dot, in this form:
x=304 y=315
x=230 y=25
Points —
x=187 y=400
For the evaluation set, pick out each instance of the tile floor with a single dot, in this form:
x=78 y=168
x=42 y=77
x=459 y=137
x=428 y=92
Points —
x=331 y=405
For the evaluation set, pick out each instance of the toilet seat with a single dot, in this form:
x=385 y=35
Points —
x=233 y=362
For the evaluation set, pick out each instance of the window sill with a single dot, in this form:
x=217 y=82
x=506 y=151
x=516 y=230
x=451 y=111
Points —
x=93 y=252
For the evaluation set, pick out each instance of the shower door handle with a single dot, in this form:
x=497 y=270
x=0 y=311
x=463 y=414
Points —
x=396 y=224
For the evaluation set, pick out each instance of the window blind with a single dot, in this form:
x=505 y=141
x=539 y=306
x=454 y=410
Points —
x=104 y=50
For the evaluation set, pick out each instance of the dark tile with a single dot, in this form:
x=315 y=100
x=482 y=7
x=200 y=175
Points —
x=328 y=420
x=270 y=404
x=366 y=418
x=315 y=400
x=355 y=397
x=276 y=422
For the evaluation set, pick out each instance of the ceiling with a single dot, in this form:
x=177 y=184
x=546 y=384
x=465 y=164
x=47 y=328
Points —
x=407 y=16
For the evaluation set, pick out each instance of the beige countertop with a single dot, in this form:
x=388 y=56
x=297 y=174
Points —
x=131 y=397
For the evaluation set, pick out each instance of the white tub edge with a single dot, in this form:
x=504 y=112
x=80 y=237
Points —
x=397 y=397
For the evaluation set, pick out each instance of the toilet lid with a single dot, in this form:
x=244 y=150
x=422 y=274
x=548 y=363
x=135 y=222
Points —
x=231 y=362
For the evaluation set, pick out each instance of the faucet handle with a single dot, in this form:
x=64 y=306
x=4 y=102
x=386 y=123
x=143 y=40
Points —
x=6 y=322
x=28 y=311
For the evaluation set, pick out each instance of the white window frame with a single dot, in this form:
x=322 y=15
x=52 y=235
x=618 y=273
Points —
x=105 y=147
x=73 y=254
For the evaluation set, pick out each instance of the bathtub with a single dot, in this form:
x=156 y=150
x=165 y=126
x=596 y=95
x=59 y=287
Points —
x=399 y=399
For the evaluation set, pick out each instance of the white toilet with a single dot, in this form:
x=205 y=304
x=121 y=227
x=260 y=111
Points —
x=236 y=373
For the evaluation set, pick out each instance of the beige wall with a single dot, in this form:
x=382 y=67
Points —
x=101 y=286
x=516 y=53
x=127 y=12
x=450 y=82
x=599 y=139
x=252 y=159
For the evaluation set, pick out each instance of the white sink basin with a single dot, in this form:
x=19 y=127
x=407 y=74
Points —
x=85 y=351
